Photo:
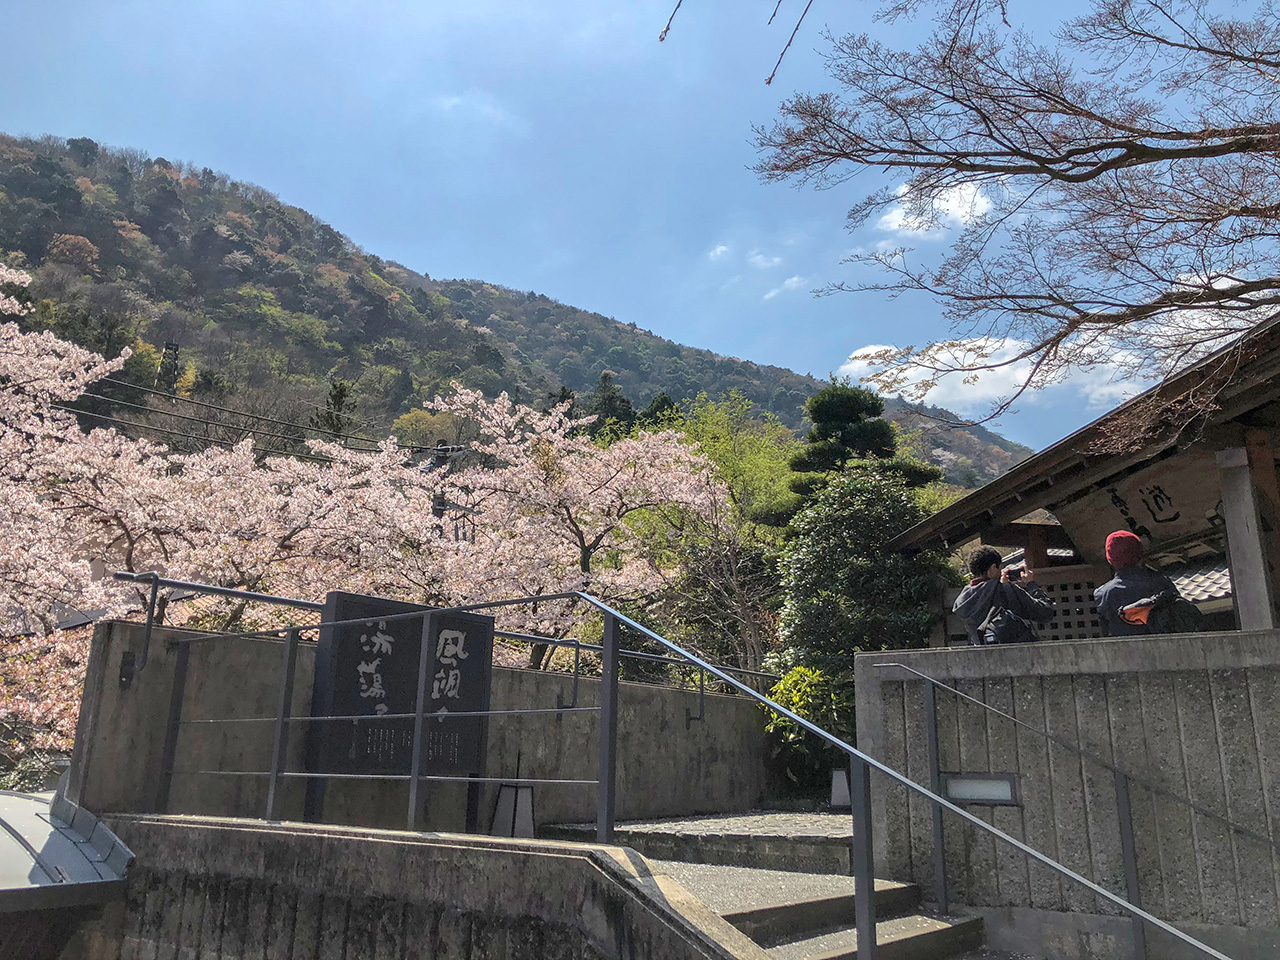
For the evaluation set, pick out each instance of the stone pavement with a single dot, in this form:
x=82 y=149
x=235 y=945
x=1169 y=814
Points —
x=757 y=823
x=797 y=842
x=737 y=889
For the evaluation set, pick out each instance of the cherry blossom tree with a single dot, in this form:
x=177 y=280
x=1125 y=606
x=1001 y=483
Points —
x=555 y=510
x=546 y=509
x=39 y=566
x=40 y=676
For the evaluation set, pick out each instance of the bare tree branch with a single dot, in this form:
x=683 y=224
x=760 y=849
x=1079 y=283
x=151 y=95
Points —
x=1108 y=202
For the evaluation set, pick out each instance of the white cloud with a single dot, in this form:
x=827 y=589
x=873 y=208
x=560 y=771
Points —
x=761 y=262
x=1100 y=388
x=731 y=281
x=481 y=107
x=953 y=207
x=791 y=283
x=717 y=252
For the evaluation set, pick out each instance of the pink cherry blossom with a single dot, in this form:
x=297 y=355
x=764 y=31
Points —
x=544 y=510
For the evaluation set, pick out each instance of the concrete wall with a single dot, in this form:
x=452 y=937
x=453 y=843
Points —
x=1198 y=716
x=664 y=769
x=208 y=888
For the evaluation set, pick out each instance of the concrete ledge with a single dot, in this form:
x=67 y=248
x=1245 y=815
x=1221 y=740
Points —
x=1186 y=716
x=1192 y=651
x=790 y=854
x=1089 y=936
x=247 y=885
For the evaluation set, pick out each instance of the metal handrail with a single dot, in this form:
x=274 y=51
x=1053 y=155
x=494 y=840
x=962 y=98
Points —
x=156 y=582
x=859 y=794
x=860 y=763
x=1089 y=755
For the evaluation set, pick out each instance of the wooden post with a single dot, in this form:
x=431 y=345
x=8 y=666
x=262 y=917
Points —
x=1262 y=469
x=1036 y=552
x=1250 y=573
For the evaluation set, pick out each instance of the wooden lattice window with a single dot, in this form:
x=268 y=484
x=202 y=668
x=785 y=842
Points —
x=1075 y=616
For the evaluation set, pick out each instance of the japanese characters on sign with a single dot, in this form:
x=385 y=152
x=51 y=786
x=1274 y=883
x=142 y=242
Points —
x=1157 y=502
x=462 y=657
x=369 y=669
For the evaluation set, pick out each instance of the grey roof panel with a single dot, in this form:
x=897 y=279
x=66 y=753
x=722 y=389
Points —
x=50 y=862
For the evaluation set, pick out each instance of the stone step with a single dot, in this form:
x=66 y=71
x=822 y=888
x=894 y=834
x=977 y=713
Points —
x=789 y=842
x=913 y=937
x=772 y=905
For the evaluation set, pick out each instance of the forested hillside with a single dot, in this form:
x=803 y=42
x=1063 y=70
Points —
x=267 y=305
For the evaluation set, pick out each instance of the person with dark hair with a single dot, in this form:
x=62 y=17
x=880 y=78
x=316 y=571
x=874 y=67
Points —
x=997 y=605
x=1130 y=584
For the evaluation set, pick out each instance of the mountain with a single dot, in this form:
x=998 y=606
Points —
x=970 y=456
x=576 y=346
x=226 y=292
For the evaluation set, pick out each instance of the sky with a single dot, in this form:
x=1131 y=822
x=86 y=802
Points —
x=554 y=146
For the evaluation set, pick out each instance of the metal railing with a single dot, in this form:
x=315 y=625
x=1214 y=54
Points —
x=860 y=764
x=1121 y=777
x=283 y=720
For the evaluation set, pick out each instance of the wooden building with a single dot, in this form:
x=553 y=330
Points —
x=1204 y=499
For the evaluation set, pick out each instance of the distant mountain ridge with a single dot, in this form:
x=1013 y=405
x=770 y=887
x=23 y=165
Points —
x=576 y=346
x=262 y=300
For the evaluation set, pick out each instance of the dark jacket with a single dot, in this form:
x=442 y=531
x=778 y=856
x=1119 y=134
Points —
x=1026 y=599
x=1129 y=585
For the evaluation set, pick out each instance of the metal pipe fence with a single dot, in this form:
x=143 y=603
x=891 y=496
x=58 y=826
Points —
x=861 y=764
x=292 y=639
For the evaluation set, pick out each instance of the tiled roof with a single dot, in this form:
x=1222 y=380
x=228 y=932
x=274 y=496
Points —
x=1209 y=580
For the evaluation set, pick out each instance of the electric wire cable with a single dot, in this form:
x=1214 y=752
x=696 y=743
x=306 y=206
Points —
x=255 y=416
x=185 y=436
x=214 y=423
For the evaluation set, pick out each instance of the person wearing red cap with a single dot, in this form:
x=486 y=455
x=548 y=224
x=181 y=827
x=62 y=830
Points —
x=1131 y=582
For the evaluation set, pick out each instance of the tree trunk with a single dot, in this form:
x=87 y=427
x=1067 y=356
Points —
x=539 y=656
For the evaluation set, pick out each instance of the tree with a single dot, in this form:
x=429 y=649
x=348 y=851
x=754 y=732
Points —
x=42 y=564
x=723 y=600
x=660 y=408
x=844 y=592
x=847 y=424
x=83 y=150
x=563 y=396
x=75 y=251
x=847 y=428
x=421 y=428
x=1111 y=195
x=336 y=415
x=554 y=509
x=609 y=406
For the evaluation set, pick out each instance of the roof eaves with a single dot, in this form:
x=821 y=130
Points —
x=953 y=524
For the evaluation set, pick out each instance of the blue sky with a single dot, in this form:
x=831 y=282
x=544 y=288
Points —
x=552 y=146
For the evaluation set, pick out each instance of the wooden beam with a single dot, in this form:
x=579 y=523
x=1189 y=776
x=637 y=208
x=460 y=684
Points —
x=1262 y=470
x=1037 y=550
x=1049 y=535
x=1250 y=574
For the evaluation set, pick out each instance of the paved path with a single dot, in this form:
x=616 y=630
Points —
x=735 y=889
x=758 y=823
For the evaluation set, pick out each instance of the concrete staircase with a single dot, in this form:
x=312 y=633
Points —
x=810 y=916
x=804 y=911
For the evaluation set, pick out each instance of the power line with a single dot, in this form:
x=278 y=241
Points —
x=238 y=413
x=254 y=416
x=185 y=436
x=215 y=423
